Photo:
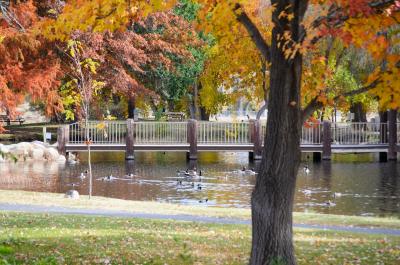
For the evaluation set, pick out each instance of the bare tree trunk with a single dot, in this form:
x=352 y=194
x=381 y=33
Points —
x=273 y=195
x=131 y=107
x=359 y=113
x=88 y=143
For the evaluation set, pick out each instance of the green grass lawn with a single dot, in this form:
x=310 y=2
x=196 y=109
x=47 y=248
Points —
x=54 y=199
x=59 y=239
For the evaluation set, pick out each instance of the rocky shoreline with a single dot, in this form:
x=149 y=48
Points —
x=30 y=151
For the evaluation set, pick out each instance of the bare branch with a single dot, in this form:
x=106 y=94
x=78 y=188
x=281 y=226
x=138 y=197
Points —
x=107 y=15
x=9 y=17
x=315 y=104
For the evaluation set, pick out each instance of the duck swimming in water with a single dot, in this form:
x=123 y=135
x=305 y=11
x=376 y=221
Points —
x=107 y=178
x=329 y=203
x=250 y=172
x=192 y=173
x=337 y=195
x=82 y=176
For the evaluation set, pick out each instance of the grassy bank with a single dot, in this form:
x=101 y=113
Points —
x=52 y=199
x=58 y=239
x=28 y=132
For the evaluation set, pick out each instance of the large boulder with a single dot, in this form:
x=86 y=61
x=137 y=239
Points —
x=20 y=150
x=37 y=154
x=40 y=145
x=61 y=159
x=51 y=154
x=4 y=148
x=72 y=194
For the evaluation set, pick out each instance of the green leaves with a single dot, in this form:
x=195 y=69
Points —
x=187 y=9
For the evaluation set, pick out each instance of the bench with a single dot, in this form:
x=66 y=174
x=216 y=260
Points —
x=6 y=119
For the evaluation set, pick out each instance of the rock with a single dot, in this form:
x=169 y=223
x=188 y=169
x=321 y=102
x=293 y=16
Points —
x=37 y=154
x=39 y=145
x=51 y=154
x=19 y=150
x=36 y=150
x=4 y=149
x=61 y=159
x=71 y=156
x=72 y=194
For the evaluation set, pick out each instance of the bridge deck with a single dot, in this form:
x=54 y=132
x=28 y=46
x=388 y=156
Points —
x=223 y=147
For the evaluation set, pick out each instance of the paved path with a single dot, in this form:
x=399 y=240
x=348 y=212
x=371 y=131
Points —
x=179 y=217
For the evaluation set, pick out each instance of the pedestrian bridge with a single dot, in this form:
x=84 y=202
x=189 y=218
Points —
x=198 y=136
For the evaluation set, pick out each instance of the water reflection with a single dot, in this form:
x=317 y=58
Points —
x=364 y=188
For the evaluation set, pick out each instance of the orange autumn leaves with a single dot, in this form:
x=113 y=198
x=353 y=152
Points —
x=27 y=66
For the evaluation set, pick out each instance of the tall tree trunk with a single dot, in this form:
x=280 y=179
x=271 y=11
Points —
x=359 y=114
x=204 y=115
x=273 y=195
x=131 y=107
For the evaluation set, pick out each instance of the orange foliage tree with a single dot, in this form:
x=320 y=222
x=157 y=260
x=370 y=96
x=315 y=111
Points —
x=28 y=65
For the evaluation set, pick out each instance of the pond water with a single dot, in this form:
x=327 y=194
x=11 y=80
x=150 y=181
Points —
x=362 y=188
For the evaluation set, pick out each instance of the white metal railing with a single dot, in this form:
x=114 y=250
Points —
x=223 y=133
x=160 y=132
x=100 y=132
x=311 y=134
x=359 y=133
x=114 y=132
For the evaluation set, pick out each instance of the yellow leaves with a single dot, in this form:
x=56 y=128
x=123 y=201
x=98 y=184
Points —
x=90 y=64
x=101 y=126
x=97 y=16
x=288 y=16
x=97 y=86
x=2 y=38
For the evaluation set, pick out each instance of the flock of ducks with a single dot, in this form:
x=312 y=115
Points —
x=306 y=192
x=189 y=176
x=192 y=174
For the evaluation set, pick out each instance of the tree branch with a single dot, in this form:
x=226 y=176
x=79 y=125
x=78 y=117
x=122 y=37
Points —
x=315 y=104
x=253 y=31
x=106 y=15
x=337 y=15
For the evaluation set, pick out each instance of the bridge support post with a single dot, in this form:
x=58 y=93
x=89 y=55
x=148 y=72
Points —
x=383 y=134
x=130 y=140
x=62 y=139
x=255 y=138
x=192 y=139
x=326 y=141
x=392 y=149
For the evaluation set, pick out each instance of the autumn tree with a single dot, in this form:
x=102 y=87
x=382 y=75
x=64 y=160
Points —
x=28 y=64
x=131 y=48
x=297 y=27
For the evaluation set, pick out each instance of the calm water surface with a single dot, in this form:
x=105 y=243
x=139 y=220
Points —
x=366 y=188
